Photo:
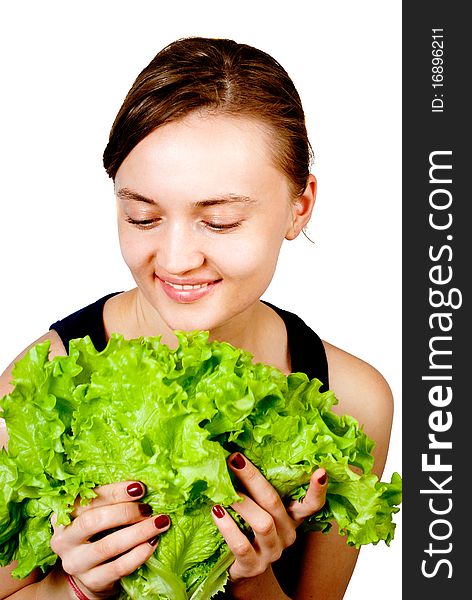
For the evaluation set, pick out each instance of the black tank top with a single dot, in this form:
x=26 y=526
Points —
x=307 y=355
x=307 y=352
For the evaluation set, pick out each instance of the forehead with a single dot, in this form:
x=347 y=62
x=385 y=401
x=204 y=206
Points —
x=204 y=153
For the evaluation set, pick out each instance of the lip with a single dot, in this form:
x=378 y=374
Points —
x=188 y=290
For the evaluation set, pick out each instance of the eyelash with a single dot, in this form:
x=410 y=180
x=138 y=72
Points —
x=150 y=223
x=144 y=224
x=223 y=227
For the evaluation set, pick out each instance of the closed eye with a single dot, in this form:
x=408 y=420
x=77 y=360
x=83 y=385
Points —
x=143 y=223
x=151 y=223
x=222 y=226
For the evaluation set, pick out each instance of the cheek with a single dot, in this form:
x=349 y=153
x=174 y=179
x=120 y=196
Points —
x=135 y=251
x=255 y=257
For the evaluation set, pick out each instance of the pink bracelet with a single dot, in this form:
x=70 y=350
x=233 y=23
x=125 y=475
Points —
x=77 y=591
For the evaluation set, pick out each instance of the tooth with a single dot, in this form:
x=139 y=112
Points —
x=187 y=286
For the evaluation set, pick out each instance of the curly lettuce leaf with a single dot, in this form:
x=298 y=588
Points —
x=191 y=562
x=139 y=410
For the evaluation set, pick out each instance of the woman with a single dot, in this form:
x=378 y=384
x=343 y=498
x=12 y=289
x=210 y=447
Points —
x=210 y=160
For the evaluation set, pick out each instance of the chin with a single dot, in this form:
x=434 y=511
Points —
x=191 y=322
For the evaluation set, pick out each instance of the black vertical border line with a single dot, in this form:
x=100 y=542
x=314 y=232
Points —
x=436 y=258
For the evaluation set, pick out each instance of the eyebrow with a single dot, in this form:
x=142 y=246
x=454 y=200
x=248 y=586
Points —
x=128 y=194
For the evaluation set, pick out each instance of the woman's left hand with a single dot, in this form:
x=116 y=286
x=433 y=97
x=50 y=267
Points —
x=274 y=525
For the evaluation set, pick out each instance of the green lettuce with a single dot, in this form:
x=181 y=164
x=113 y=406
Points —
x=170 y=418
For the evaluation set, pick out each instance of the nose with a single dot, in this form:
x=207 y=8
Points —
x=180 y=249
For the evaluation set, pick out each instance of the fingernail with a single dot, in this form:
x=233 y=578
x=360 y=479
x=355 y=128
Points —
x=153 y=541
x=322 y=479
x=237 y=461
x=161 y=521
x=145 y=510
x=135 y=489
x=218 y=511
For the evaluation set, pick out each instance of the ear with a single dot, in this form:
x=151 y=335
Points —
x=302 y=209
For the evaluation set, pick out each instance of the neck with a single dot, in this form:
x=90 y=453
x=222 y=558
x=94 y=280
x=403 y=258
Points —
x=243 y=330
x=258 y=329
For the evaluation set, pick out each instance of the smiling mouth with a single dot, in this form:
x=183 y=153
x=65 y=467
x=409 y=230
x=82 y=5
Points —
x=188 y=292
x=187 y=286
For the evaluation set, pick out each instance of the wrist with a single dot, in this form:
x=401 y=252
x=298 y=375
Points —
x=78 y=593
x=77 y=590
x=263 y=586
x=56 y=585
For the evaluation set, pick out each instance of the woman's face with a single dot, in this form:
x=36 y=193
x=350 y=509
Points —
x=202 y=213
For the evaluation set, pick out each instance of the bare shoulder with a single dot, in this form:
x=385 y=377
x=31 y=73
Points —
x=56 y=349
x=362 y=392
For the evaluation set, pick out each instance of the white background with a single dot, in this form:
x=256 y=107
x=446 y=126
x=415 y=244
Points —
x=65 y=69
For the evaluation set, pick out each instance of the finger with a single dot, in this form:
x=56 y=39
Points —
x=122 y=541
x=103 y=518
x=314 y=499
x=55 y=527
x=257 y=486
x=244 y=552
x=115 y=544
x=104 y=576
x=269 y=537
x=113 y=493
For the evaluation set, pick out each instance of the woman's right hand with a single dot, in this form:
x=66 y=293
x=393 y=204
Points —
x=96 y=559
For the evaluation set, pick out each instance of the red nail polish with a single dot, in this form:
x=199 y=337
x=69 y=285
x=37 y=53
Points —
x=135 y=489
x=145 y=510
x=153 y=541
x=161 y=521
x=322 y=479
x=237 y=461
x=218 y=511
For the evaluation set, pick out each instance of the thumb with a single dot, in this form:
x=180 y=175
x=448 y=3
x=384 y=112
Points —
x=314 y=499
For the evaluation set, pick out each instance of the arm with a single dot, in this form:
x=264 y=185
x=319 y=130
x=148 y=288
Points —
x=52 y=586
x=9 y=584
x=263 y=586
x=363 y=393
x=328 y=562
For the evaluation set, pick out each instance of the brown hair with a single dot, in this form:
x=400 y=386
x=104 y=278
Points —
x=216 y=74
